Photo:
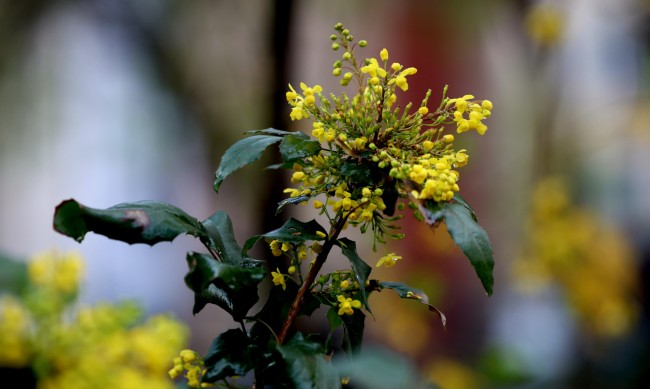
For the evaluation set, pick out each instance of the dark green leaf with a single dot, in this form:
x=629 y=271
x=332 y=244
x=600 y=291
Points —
x=306 y=365
x=290 y=201
x=353 y=327
x=297 y=146
x=359 y=267
x=13 y=275
x=210 y=295
x=271 y=131
x=147 y=222
x=232 y=288
x=460 y=200
x=293 y=231
x=221 y=239
x=228 y=356
x=473 y=240
x=466 y=232
x=377 y=368
x=406 y=292
x=360 y=174
x=242 y=153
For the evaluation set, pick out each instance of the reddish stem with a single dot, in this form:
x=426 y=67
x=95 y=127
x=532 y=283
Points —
x=311 y=277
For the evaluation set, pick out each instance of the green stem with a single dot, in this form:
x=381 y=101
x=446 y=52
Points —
x=337 y=227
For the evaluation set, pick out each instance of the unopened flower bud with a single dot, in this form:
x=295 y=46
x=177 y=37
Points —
x=384 y=55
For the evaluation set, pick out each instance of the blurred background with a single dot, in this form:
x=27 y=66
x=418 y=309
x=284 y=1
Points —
x=109 y=101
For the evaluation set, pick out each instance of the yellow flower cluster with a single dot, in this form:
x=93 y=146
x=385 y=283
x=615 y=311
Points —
x=297 y=255
x=475 y=113
x=373 y=150
x=590 y=261
x=190 y=361
x=301 y=103
x=102 y=346
x=58 y=273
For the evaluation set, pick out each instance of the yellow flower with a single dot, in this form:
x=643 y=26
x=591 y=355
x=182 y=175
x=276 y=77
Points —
x=293 y=192
x=384 y=55
x=545 y=24
x=389 y=260
x=297 y=177
x=275 y=247
x=188 y=355
x=298 y=113
x=346 y=305
x=400 y=79
x=373 y=68
x=278 y=278
x=291 y=95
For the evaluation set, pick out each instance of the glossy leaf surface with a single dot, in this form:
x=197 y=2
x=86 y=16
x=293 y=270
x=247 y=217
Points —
x=221 y=239
x=232 y=288
x=242 y=153
x=297 y=146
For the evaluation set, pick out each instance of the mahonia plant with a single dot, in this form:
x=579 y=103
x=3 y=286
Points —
x=368 y=158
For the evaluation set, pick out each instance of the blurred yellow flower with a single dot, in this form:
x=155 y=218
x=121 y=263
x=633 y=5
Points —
x=101 y=346
x=588 y=259
x=545 y=24
x=450 y=374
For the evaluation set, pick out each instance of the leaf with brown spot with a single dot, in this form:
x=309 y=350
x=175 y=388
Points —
x=147 y=222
